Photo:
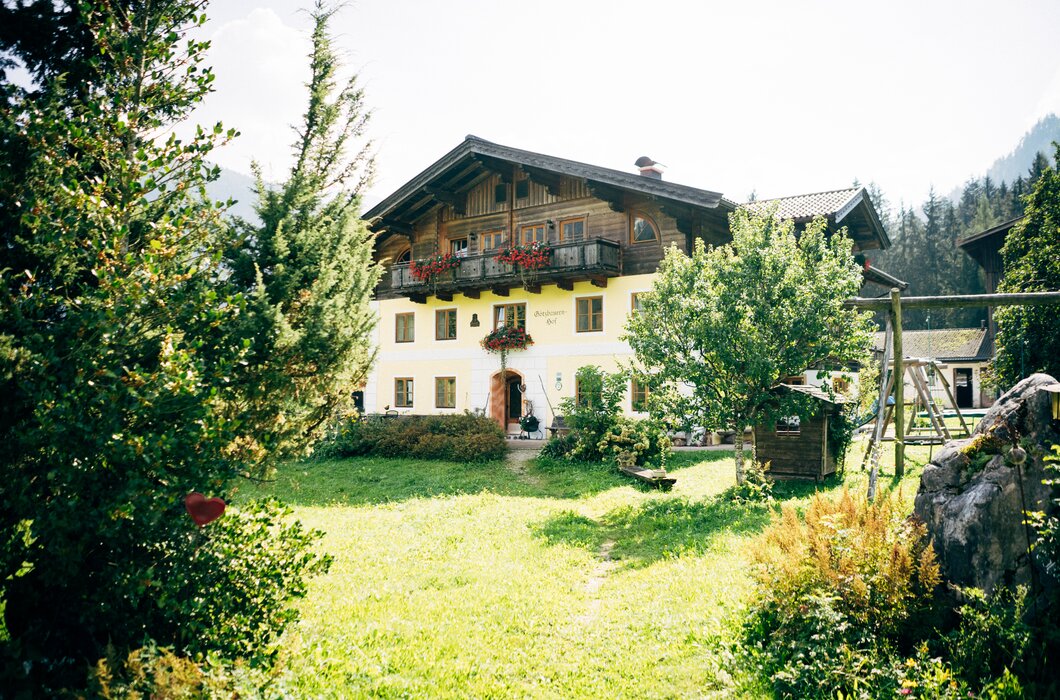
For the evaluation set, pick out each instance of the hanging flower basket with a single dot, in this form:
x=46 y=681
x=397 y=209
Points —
x=529 y=260
x=505 y=339
x=429 y=270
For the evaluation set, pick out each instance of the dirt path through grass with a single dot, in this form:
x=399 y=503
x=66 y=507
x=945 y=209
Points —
x=524 y=579
x=517 y=462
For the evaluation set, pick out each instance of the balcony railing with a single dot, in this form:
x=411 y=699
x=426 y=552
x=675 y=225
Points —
x=595 y=259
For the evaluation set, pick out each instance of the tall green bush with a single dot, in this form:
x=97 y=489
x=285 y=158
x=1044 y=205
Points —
x=594 y=411
x=138 y=362
x=1028 y=337
x=729 y=323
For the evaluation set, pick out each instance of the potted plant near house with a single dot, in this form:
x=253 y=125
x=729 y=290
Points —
x=528 y=260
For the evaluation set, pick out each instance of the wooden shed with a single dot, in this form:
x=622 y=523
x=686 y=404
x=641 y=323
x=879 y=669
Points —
x=800 y=449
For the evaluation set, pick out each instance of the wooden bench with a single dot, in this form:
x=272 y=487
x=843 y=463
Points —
x=558 y=427
x=655 y=477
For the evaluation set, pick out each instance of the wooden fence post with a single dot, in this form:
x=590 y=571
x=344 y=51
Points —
x=899 y=385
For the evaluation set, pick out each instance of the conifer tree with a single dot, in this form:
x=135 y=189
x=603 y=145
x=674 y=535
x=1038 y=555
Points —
x=307 y=268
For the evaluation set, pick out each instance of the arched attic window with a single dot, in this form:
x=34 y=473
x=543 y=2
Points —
x=404 y=256
x=642 y=228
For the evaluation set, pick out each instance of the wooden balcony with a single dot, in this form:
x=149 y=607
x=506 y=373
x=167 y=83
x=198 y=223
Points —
x=594 y=260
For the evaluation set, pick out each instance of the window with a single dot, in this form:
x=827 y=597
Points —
x=491 y=240
x=404 y=328
x=789 y=426
x=445 y=392
x=572 y=229
x=404 y=256
x=458 y=246
x=584 y=396
x=509 y=315
x=532 y=233
x=636 y=300
x=522 y=188
x=445 y=324
x=590 y=313
x=500 y=193
x=642 y=229
x=638 y=393
x=840 y=385
x=403 y=392
x=795 y=380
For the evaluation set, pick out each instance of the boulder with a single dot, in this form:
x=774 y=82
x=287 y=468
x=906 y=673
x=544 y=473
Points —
x=973 y=494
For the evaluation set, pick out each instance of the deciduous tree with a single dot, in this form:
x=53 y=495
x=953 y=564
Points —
x=724 y=326
x=1028 y=338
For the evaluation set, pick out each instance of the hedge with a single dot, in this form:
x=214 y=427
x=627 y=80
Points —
x=461 y=437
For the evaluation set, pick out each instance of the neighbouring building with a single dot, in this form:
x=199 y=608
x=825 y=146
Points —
x=607 y=231
x=985 y=248
x=962 y=353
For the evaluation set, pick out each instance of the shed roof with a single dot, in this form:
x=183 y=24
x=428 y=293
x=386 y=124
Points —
x=944 y=344
x=814 y=391
x=1000 y=230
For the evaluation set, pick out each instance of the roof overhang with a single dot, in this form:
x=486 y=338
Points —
x=447 y=180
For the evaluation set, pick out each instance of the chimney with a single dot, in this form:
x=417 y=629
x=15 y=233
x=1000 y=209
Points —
x=649 y=168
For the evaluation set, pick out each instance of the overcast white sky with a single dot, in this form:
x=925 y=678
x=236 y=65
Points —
x=777 y=97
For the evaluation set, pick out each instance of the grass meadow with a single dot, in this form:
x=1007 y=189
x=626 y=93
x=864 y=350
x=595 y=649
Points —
x=545 y=581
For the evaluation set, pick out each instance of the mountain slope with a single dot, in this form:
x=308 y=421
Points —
x=239 y=187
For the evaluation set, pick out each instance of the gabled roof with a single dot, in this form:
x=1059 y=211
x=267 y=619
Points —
x=944 y=344
x=475 y=159
x=852 y=204
x=1000 y=230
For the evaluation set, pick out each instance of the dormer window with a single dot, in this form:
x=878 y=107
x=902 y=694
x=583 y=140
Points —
x=642 y=229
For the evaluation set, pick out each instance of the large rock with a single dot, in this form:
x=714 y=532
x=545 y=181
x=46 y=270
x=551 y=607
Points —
x=973 y=495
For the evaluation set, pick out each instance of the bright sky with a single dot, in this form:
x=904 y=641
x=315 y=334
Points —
x=776 y=97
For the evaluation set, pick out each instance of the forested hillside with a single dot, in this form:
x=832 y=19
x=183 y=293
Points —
x=924 y=251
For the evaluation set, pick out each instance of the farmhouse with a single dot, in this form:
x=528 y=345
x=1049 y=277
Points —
x=600 y=235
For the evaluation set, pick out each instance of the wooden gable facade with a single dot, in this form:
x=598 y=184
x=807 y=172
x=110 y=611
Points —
x=483 y=196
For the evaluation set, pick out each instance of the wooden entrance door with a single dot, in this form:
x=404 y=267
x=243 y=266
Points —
x=514 y=404
x=962 y=387
x=506 y=398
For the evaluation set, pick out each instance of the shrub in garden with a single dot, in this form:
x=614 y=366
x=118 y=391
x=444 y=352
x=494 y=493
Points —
x=757 y=486
x=642 y=440
x=462 y=437
x=839 y=592
x=594 y=412
x=560 y=446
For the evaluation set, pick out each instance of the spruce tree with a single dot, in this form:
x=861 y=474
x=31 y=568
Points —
x=307 y=268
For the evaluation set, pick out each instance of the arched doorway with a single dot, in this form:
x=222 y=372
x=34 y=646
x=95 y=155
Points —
x=507 y=391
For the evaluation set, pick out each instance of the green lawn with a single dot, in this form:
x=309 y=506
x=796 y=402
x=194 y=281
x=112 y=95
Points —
x=476 y=581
